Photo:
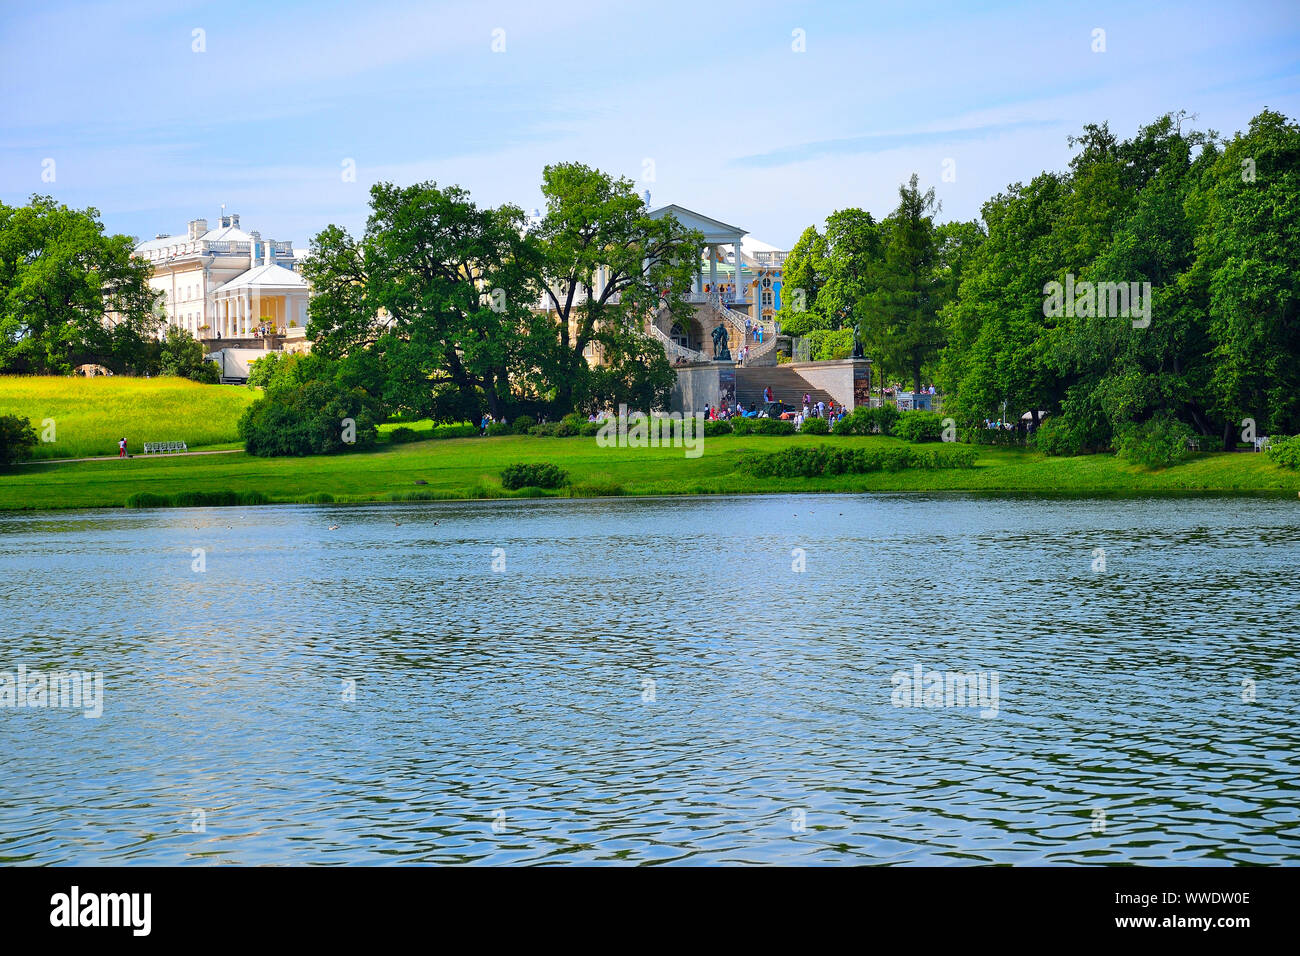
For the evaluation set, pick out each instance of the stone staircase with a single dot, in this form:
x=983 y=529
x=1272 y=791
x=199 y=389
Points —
x=787 y=386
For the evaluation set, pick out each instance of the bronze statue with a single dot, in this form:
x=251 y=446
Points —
x=720 y=349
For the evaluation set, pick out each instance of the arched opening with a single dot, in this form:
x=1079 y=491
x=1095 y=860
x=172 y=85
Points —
x=687 y=334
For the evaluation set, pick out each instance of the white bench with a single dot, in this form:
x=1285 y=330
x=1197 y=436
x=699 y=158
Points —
x=164 y=447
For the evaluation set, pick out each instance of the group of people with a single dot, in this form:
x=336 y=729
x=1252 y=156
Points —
x=829 y=411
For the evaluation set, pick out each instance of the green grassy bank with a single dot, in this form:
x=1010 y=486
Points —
x=471 y=467
x=90 y=415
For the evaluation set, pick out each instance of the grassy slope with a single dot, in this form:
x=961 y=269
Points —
x=471 y=467
x=91 y=414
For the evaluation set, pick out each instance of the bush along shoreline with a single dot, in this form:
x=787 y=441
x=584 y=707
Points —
x=824 y=460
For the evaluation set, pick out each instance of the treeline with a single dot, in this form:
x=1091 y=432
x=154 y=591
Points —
x=71 y=294
x=446 y=309
x=1040 y=307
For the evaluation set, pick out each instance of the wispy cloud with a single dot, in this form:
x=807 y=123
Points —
x=883 y=142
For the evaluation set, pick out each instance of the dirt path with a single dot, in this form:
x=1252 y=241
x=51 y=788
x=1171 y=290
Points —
x=177 y=454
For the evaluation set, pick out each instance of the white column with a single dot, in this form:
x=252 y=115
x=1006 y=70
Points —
x=742 y=289
x=713 y=269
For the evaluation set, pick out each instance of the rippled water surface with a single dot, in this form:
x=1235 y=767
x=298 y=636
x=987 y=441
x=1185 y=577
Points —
x=649 y=681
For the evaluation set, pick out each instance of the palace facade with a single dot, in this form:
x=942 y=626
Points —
x=224 y=283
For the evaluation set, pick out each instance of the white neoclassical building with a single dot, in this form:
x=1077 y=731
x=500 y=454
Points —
x=226 y=284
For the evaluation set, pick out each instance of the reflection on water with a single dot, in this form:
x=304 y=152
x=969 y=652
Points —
x=649 y=681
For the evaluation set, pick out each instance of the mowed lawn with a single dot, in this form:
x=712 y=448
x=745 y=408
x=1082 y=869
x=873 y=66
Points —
x=471 y=468
x=90 y=415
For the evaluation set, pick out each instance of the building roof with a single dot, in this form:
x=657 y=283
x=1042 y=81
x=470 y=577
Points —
x=715 y=230
x=273 y=276
x=221 y=234
x=228 y=233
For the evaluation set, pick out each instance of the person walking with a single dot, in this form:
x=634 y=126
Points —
x=121 y=448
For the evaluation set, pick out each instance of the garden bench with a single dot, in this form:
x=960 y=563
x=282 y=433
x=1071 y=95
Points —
x=164 y=447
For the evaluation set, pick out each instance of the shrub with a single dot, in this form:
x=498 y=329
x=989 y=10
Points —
x=499 y=428
x=886 y=417
x=590 y=429
x=1059 y=436
x=815 y=426
x=307 y=419
x=802 y=461
x=867 y=421
x=1156 y=443
x=524 y=424
x=460 y=430
x=712 y=429
x=992 y=436
x=535 y=475
x=17 y=438
x=181 y=354
x=567 y=429
x=1285 y=451
x=919 y=426
x=860 y=421
x=399 y=436
x=761 y=426
x=548 y=430
x=278 y=370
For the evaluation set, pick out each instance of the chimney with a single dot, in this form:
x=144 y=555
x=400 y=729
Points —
x=252 y=250
x=266 y=252
x=234 y=220
x=198 y=227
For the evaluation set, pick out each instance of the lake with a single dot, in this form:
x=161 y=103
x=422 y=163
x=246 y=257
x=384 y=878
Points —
x=752 y=679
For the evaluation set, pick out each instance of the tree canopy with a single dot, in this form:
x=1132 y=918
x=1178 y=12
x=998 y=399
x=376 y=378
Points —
x=1185 y=252
x=70 y=293
x=446 y=309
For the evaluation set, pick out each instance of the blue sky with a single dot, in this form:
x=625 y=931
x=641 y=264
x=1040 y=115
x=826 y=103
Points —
x=713 y=100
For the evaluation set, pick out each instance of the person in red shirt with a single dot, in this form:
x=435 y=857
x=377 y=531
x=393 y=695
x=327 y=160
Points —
x=121 y=448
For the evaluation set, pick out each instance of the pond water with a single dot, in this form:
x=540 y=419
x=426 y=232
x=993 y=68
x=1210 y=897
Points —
x=655 y=681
